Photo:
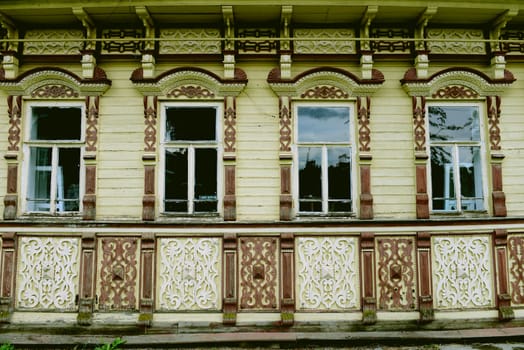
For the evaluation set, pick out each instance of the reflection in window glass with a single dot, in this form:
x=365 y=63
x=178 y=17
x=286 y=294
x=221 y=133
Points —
x=56 y=123
x=323 y=124
x=309 y=178
x=190 y=123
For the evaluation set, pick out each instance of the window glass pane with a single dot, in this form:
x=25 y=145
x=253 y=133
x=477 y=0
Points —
x=454 y=123
x=471 y=178
x=443 y=178
x=176 y=180
x=309 y=178
x=56 y=123
x=205 y=180
x=68 y=180
x=339 y=160
x=190 y=123
x=323 y=124
x=39 y=181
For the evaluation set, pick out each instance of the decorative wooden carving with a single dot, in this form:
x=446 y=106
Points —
x=118 y=273
x=493 y=120
x=366 y=198
x=396 y=274
x=497 y=193
x=230 y=247
x=285 y=124
x=191 y=91
x=122 y=47
x=89 y=200
x=388 y=46
x=92 y=108
x=287 y=264
x=500 y=240
x=425 y=298
x=230 y=124
x=53 y=42
x=230 y=201
x=54 y=91
x=150 y=105
x=258 y=288
x=8 y=265
x=512 y=47
x=87 y=280
x=465 y=44
x=150 y=119
x=422 y=197
x=419 y=122
x=369 y=299
x=246 y=45
x=325 y=45
x=324 y=92
x=147 y=271
x=516 y=269
x=14 y=105
x=455 y=91
x=286 y=201
x=192 y=41
x=364 y=133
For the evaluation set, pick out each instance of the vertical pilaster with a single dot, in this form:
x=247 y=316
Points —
x=147 y=273
x=369 y=299
x=230 y=279
x=230 y=213
x=89 y=200
x=286 y=201
x=421 y=156
x=149 y=158
x=287 y=303
x=87 y=278
x=8 y=276
x=497 y=193
x=14 y=105
x=229 y=44
x=500 y=241
x=364 y=140
x=424 y=277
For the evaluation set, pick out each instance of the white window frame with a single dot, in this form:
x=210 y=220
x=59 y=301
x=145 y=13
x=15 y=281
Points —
x=324 y=171
x=191 y=146
x=54 y=145
x=480 y=105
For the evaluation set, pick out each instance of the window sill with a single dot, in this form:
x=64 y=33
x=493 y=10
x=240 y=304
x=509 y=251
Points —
x=51 y=217
x=464 y=214
x=321 y=216
x=177 y=217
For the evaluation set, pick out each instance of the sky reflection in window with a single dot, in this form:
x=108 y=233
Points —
x=323 y=124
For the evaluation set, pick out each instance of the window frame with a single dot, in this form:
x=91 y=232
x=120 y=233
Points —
x=483 y=149
x=190 y=144
x=324 y=146
x=55 y=145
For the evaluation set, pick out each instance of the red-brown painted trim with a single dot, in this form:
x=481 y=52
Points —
x=287 y=262
x=500 y=250
x=425 y=296
x=286 y=201
x=422 y=198
x=87 y=280
x=99 y=77
x=89 y=200
x=11 y=197
x=498 y=196
x=230 y=251
x=274 y=75
x=369 y=299
x=366 y=198
x=147 y=273
x=138 y=75
x=8 y=265
x=230 y=201
x=149 y=198
x=411 y=75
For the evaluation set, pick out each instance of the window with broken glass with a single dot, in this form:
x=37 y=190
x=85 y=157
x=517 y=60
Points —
x=456 y=147
x=53 y=150
x=191 y=159
x=323 y=159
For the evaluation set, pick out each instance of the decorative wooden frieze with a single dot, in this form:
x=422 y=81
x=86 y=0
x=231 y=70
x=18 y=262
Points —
x=285 y=124
x=147 y=281
x=150 y=131
x=86 y=297
x=230 y=252
x=500 y=240
x=89 y=199
x=396 y=274
x=363 y=115
x=230 y=118
x=368 y=271
x=150 y=116
x=286 y=200
x=230 y=158
x=493 y=106
x=48 y=273
x=53 y=42
x=512 y=48
x=92 y=108
x=327 y=273
x=364 y=140
x=324 y=43
x=189 y=41
x=287 y=283
x=324 y=92
x=425 y=298
x=455 y=91
x=258 y=273
x=189 y=274
x=389 y=46
x=54 y=91
x=118 y=282
x=419 y=123
x=516 y=268
x=455 y=41
x=462 y=272
x=250 y=41
x=8 y=265
x=128 y=46
x=191 y=91
x=14 y=105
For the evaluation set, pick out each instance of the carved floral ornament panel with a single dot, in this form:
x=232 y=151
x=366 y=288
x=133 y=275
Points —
x=324 y=45
x=327 y=273
x=448 y=46
x=190 y=41
x=462 y=272
x=516 y=268
x=189 y=272
x=48 y=273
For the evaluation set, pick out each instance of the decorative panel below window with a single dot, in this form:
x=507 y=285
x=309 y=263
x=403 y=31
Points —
x=462 y=272
x=47 y=274
x=327 y=273
x=516 y=269
x=189 y=274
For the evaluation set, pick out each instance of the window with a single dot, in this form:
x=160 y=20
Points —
x=323 y=158
x=53 y=149
x=191 y=159
x=456 y=158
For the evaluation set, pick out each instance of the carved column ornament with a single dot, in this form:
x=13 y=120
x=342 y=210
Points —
x=287 y=268
x=421 y=156
x=87 y=280
x=147 y=282
x=8 y=265
x=14 y=105
x=503 y=299
x=516 y=269
x=498 y=196
x=230 y=158
x=230 y=279
x=89 y=200
x=369 y=299
x=286 y=132
x=425 y=290
x=149 y=157
x=364 y=140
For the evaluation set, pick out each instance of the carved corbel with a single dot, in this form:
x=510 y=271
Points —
x=366 y=59
x=10 y=59
x=285 y=45
x=88 y=57
x=421 y=60
x=229 y=43
x=148 y=59
x=498 y=60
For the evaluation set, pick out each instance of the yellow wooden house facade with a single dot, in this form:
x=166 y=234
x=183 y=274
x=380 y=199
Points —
x=252 y=162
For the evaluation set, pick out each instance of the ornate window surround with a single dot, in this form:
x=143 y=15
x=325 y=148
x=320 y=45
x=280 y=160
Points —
x=189 y=84
x=319 y=85
x=457 y=84
x=53 y=84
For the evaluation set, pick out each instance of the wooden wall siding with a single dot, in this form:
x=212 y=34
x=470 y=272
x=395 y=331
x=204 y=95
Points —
x=396 y=274
x=189 y=274
x=118 y=273
x=47 y=273
x=516 y=269
x=326 y=274
x=258 y=273
x=462 y=272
